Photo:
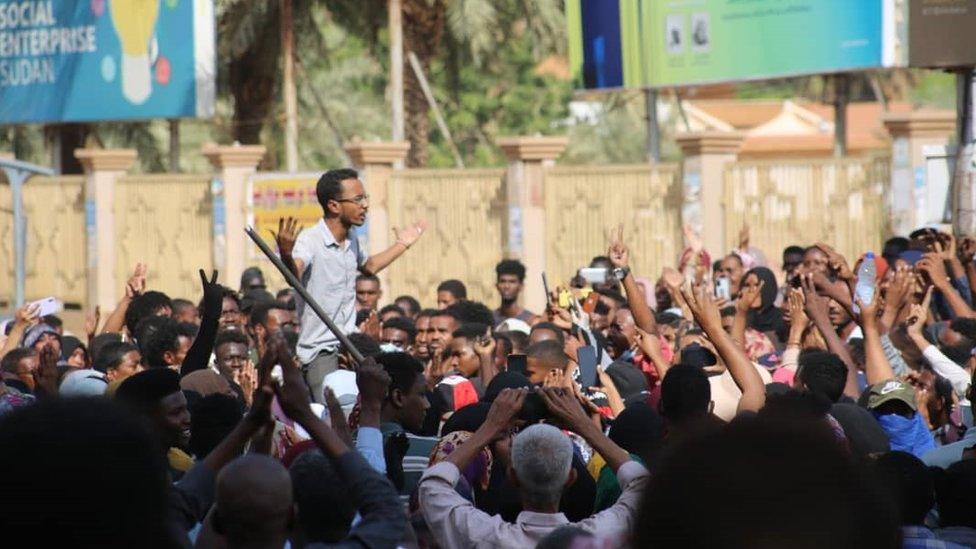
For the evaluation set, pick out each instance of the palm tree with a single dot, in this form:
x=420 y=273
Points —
x=472 y=29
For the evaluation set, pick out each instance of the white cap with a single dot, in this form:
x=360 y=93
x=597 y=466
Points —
x=514 y=325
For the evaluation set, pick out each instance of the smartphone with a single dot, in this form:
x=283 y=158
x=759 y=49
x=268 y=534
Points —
x=565 y=299
x=594 y=275
x=518 y=363
x=723 y=288
x=586 y=358
x=545 y=286
x=48 y=306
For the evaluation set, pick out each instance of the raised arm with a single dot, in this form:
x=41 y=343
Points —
x=134 y=287
x=746 y=377
x=198 y=356
x=620 y=258
x=287 y=235
x=748 y=296
x=25 y=317
x=933 y=265
x=405 y=238
x=815 y=306
x=566 y=408
x=876 y=365
x=383 y=522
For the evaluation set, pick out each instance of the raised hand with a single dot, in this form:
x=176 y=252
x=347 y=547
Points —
x=247 y=378
x=748 y=297
x=814 y=304
x=46 y=375
x=564 y=406
x=617 y=252
x=933 y=266
x=27 y=315
x=484 y=346
x=900 y=288
x=292 y=392
x=967 y=249
x=798 y=317
x=373 y=382
x=835 y=261
x=136 y=285
x=337 y=417
x=410 y=234
x=918 y=315
x=92 y=320
x=505 y=408
x=371 y=326
x=287 y=234
x=744 y=237
x=702 y=307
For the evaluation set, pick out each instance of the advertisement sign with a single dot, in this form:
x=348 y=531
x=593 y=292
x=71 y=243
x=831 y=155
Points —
x=88 y=60
x=274 y=196
x=941 y=33
x=667 y=43
x=721 y=40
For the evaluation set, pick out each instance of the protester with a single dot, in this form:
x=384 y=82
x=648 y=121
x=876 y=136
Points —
x=327 y=257
x=462 y=426
x=450 y=292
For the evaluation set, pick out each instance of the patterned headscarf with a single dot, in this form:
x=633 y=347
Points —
x=478 y=472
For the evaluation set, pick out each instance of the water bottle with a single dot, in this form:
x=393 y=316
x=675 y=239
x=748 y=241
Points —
x=866 y=275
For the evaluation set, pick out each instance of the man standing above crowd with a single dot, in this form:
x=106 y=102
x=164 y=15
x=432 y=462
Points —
x=327 y=258
x=510 y=278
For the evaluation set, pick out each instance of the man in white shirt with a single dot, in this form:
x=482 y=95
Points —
x=541 y=468
x=327 y=258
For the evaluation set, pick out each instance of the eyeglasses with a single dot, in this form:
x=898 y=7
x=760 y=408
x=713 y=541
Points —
x=358 y=200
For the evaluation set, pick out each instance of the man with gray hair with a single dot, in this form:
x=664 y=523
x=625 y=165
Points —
x=541 y=469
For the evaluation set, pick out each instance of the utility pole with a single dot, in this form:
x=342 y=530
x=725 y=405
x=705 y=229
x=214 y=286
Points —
x=653 y=128
x=841 y=98
x=288 y=86
x=962 y=189
x=396 y=69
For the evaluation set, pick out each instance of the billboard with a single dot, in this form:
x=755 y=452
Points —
x=666 y=43
x=940 y=33
x=88 y=60
x=277 y=195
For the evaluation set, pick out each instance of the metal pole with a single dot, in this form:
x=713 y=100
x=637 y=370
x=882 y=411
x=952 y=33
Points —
x=288 y=87
x=297 y=285
x=17 y=173
x=396 y=67
x=841 y=93
x=174 y=145
x=653 y=128
x=961 y=190
x=17 y=179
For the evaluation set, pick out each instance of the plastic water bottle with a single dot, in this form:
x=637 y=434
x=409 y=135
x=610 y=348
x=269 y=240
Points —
x=866 y=275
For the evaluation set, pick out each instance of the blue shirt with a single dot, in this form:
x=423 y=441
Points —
x=944 y=456
x=920 y=537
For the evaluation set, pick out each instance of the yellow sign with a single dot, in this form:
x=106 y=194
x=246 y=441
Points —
x=274 y=196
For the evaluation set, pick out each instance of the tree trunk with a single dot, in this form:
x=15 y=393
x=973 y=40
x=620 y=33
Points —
x=252 y=78
x=423 y=26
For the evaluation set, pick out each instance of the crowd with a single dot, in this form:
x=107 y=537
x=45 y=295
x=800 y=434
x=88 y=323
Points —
x=734 y=403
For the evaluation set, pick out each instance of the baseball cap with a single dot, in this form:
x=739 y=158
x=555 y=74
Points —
x=514 y=325
x=887 y=391
x=82 y=383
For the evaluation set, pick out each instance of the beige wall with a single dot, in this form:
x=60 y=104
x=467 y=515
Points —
x=166 y=221
x=802 y=202
x=584 y=202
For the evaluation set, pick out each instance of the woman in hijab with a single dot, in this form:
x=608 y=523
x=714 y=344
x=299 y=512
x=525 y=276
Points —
x=763 y=316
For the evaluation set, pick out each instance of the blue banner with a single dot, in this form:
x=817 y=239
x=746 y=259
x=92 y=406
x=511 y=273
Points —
x=90 y=60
